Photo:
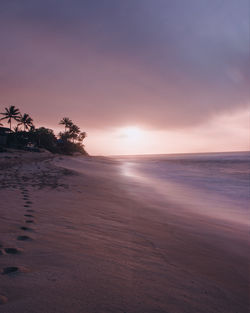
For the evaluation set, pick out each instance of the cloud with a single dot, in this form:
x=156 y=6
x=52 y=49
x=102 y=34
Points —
x=159 y=64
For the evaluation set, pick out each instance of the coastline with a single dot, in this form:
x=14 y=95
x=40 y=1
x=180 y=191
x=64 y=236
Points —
x=98 y=244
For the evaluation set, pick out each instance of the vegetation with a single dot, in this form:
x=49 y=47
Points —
x=29 y=137
x=66 y=122
x=72 y=137
x=11 y=113
x=26 y=121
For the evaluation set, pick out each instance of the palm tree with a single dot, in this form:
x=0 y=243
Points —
x=11 y=113
x=26 y=121
x=66 y=122
x=74 y=131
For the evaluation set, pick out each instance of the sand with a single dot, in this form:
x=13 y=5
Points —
x=78 y=236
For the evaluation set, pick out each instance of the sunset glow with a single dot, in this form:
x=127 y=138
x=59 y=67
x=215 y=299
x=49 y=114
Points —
x=131 y=133
x=162 y=88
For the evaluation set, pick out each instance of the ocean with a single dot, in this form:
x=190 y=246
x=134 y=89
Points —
x=211 y=183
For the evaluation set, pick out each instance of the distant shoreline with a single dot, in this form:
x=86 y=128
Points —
x=175 y=154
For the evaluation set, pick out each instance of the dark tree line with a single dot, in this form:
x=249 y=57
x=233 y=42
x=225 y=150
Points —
x=25 y=134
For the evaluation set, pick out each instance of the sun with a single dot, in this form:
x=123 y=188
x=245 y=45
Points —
x=131 y=132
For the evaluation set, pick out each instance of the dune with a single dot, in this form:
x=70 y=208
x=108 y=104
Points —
x=78 y=236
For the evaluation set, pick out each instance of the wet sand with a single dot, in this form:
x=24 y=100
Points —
x=78 y=236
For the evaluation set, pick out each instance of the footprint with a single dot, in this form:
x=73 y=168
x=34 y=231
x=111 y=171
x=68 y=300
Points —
x=12 y=251
x=28 y=215
x=14 y=270
x=26 y=228
x=10 y=270
x=27 y=206
x=28 y=202
x=30 y=210
x=3 y=299
x=23 y=238
x=29 y=221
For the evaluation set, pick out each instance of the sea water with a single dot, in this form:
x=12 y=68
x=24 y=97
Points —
x=213 y=183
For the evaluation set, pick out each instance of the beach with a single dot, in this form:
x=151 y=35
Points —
x=78 y=234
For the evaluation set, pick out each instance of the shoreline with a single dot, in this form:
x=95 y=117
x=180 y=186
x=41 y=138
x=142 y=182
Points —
x=95 y=246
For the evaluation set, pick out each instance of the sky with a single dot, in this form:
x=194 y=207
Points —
x=139 y=76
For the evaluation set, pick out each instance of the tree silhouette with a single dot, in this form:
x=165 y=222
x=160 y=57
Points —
x=66 y=122
x=26 y=121
x=64 y=136
x=74 y=131
x=70 y=140
x=11 y=113
x=45 y=137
